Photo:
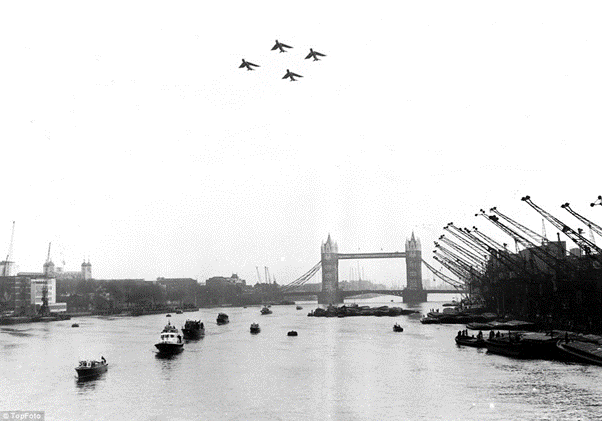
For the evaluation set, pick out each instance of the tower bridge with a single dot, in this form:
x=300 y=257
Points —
x=329 y=263
x=330 y=271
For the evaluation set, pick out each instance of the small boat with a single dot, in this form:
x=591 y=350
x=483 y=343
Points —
x=476 y=342
x=585 y=352
x=292 y=333
x=90 y=368
x=255 y=328
x=222 y=319
x=171 y=341
x=266 y=310
x=74 y=325
x=397 y=328
x=299 y=308
x=193 y=329
x=178 y=311
x=168 y=315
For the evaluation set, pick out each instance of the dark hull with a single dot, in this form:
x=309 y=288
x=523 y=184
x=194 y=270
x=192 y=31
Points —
x=83 y=372
x=257 y=330
x=470 y=341
x=582 y=351
x=509 y=349
x=169 y=348
x=222 y=322
x=193 y=333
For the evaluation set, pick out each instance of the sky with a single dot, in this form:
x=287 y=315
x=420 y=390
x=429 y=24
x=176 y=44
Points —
x=130 y=136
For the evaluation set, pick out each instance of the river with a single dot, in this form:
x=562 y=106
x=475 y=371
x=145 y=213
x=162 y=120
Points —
x=352 y=368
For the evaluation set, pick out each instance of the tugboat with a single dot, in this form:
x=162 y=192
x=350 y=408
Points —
x=171 y=340
x=266 y=310
x=292 y=333
x=255 y=328
x=397 y=328
x=193 y=329
x=222 y=319
x=90 y=368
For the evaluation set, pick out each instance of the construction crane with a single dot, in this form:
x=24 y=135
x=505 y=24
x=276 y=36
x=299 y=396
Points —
x=48 y=257
x=591 y=225
x=258 y=275
x=586 y=245
x=7 y=262
x=534 y=236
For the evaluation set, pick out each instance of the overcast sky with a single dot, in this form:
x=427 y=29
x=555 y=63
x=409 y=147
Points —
x=130 y=135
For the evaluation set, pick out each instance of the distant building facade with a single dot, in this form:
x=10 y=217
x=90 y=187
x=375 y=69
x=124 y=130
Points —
x=222 y=290
x=179 y=290
x=15 y=293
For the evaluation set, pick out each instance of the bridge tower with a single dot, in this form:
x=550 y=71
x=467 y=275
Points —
x=414 y=291
x=330 y=274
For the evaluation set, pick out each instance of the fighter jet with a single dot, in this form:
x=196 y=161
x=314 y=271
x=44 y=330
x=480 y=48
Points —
x=248 y=65
x=279 y=46
x=314 y=54
x=291 y=75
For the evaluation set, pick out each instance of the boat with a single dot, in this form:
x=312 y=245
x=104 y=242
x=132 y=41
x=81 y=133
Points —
x=585 y=352
x=299 y=308
x=222 y=319
x=292 y=333
x=509 y=345
x=255 y=328
x=477 y=342
x=266 y=310
x=397 y=328
x=74 y=325
x=429 y=320
x=178 y=311
x=193 y=329
x=90 y=368
x=171 y=341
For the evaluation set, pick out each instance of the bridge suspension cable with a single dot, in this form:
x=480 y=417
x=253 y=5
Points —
x=303 y=278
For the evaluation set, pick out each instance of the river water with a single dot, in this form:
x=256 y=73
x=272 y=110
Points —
x=352 y=368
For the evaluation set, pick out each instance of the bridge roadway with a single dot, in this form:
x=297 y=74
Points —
x=396 y=292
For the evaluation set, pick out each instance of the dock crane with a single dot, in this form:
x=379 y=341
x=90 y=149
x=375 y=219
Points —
x=459 y=261
x=444 y=277
x=540 y=252
x=534 y=236
x=473 y=258
x=590 y=224
x=258 y=275
x=499 y=252
x=586 y=245
x=7 y=262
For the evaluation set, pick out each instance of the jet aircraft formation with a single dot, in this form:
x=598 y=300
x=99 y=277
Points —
x=282 y=47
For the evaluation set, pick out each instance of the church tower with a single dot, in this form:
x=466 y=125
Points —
x=414 y=264
x=330 y=273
